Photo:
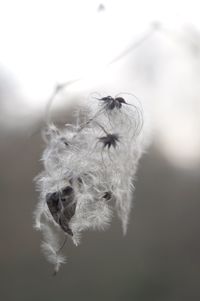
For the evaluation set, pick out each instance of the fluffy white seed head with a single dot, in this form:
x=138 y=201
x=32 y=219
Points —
x=88 y=172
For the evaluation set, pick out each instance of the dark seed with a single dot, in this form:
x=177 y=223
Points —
x=120 y=99
x=63 y=222
x=109 y=140
x=69 y=211
x=112 y=105
x=62 y=207
x=80 y=180
x=67 y=190
x=53 y=197
x=54 y=205
x=107 y=195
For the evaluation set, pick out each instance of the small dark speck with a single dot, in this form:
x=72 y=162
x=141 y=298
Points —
x=107 y=195
x=64 y=141
x=101 y=8
x=67 y=190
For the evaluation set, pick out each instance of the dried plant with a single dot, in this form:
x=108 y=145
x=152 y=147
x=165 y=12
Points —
x=88 y=172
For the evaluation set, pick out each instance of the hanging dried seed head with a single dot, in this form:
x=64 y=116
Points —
x=88 y=172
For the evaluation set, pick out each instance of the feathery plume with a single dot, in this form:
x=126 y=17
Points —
x=88 y=172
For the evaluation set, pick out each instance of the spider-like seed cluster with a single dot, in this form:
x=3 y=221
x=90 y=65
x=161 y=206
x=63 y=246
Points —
x=111 y=103
x=88 y=173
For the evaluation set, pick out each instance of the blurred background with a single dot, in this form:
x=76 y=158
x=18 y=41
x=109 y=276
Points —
x=151 y=49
